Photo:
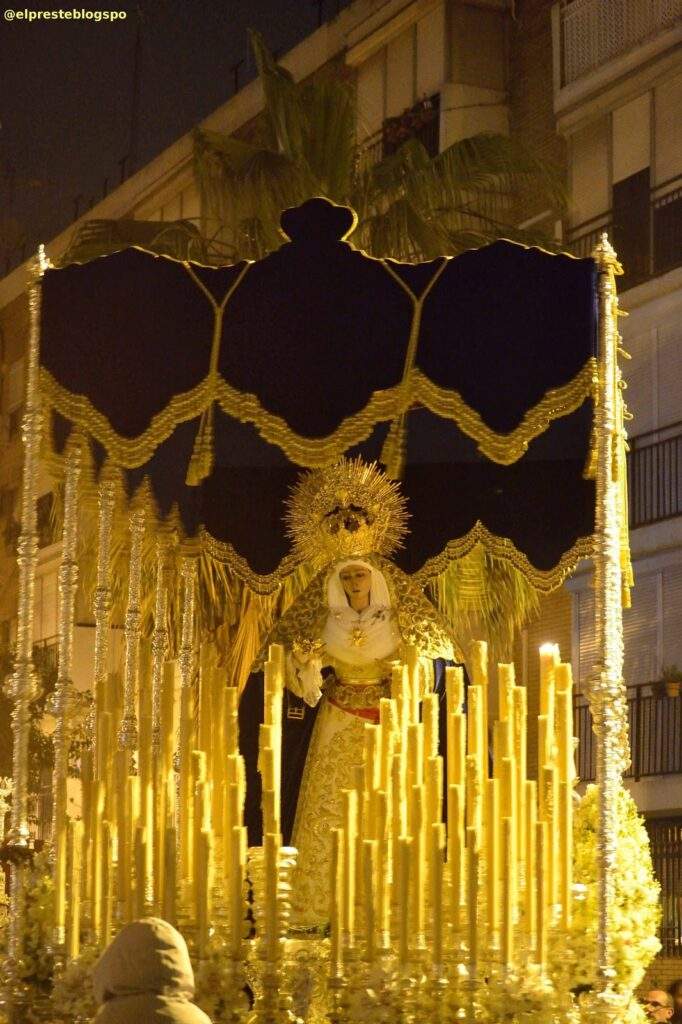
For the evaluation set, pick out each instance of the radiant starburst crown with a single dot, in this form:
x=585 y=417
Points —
x=348 y=510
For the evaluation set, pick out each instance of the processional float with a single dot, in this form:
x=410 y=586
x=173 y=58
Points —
x=177 y=404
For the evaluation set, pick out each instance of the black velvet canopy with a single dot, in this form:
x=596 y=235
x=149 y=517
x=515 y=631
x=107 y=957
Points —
x=483 y=364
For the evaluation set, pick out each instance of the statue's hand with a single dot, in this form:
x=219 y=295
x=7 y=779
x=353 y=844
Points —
x=305 y=677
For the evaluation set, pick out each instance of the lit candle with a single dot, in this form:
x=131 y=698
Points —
x=455 y=851
x=403 y=901
x=350 y=829
x=75 y=841
x=550 y=814
x=237 y=891
x=107 y=886
x=434 y=789
x=541 y=874
x=505 y=687
x=369 y=865
x=520 y=711
x=472 y=855
x=430 y=709
x=531 y=867
x=493 y=860
x=566 y=850
x=548 y=661
x=454 y=689
x=508 y=895
x=371 y=753
x=473 y=791
x=456 y=740
x=169 y=874
x=97 y=809
x=271 y=920
x=418 y=864
x=336 y=903
x=384 y=867
x=140 y=858
x=437 y=850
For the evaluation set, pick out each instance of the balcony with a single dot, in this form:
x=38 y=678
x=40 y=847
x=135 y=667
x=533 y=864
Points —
x=645 y=228
x=594 y=32
x=422 y=122
x=655 y=735
x=655 y=476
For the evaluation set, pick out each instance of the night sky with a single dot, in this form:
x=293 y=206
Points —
x=66 y=93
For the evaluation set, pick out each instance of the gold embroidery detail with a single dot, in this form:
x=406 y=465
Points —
x=356 y=696
x=336 y=749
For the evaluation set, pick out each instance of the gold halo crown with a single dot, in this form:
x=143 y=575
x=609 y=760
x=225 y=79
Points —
x=348 y=510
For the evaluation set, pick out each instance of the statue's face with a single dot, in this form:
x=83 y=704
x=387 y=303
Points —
x=356 y=581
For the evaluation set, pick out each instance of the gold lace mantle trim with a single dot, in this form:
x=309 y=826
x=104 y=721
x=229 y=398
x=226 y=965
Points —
x=315 y=453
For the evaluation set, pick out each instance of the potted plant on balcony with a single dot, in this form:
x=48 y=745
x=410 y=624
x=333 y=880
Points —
x=669 y=682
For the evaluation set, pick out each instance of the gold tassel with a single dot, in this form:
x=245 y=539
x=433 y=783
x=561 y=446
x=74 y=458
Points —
x=201 y=463
x=394 y=449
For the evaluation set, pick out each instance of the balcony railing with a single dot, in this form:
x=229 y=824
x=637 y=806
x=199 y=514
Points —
x=655 y=475
x=595 y=31
x=655 y=735
x=420 y=122
x=665 y=835
x=654 y=250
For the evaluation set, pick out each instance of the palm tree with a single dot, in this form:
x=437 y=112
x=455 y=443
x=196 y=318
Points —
x=409 y=205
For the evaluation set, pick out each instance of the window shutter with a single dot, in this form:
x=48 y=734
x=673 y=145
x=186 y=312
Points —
x=669 y=356
x=431 y=52
x=400 y=73
x=370 y=93
x=639 y=376
x=15 y=385
x=631 y=127
x=672 y=615
x=631 y=226
x=640 y=632
x=589 y=172
x=667 y=134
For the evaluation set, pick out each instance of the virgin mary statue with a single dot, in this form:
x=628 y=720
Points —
x=341 y=636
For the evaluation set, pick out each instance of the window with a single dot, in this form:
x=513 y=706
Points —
x=45 y=509
x=631 y=226
x=665 y=835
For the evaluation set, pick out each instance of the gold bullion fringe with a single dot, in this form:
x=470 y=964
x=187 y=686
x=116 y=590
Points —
x=316 y=453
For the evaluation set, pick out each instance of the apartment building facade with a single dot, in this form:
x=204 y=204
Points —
x=595 y=85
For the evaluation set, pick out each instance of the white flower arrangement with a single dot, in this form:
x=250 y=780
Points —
x=637 y=910
x=73 y=997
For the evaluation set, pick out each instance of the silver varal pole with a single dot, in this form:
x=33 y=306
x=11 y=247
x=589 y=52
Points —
x=106 y=503
x=63 y=697
x=607 y=691
x=128 y=734
x=24 y=679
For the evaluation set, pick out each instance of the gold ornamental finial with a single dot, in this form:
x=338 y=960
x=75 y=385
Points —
x=348 y=510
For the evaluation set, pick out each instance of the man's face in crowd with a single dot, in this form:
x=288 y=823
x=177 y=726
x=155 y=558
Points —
x=658 y=1005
